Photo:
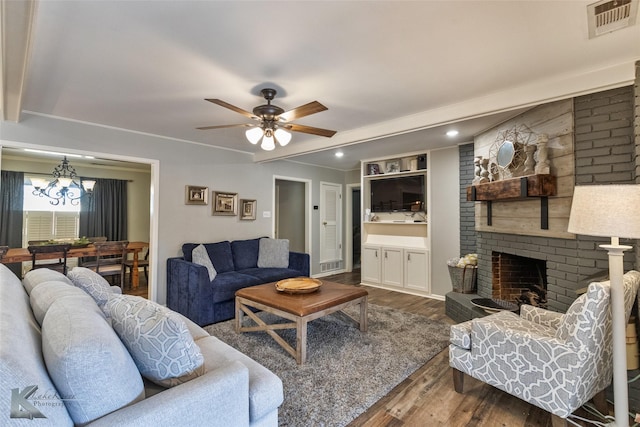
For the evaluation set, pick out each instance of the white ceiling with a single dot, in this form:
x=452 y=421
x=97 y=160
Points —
x=381 y=67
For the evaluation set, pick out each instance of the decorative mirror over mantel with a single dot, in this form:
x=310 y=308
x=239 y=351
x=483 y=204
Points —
x=524 y=173
x=511 y=155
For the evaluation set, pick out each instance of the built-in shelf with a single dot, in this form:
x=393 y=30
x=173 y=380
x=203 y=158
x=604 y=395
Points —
x=532 y=186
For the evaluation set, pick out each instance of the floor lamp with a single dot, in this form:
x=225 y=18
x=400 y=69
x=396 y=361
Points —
x=611 y=211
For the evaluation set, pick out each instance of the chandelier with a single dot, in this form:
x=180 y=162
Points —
x=269 y=133
x=64 y=186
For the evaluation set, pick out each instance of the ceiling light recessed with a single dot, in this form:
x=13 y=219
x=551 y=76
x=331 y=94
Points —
x=339 y=154
x=452 y=133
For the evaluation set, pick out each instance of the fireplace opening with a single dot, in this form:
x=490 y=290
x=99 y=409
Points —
x=519 y=279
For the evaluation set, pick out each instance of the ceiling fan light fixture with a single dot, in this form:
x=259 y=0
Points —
x=267 y=142
x=254 y=134
x=282 y=136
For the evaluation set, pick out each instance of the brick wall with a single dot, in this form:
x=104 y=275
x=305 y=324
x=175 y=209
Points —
x=605 y=152
x=467 y=209
x=512 y=275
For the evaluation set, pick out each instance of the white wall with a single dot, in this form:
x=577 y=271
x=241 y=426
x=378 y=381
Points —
x=180 y=164
x=444 y=215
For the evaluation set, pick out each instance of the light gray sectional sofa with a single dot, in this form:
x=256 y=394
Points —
x=68 y=358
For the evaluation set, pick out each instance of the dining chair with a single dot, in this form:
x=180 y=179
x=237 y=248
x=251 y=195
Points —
x=90 y=261
x=128 y=267
x=109 y=259
x=3 y=251
x=38 y=250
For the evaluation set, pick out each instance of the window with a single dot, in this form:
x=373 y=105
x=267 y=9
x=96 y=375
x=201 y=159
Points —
x=44 y=221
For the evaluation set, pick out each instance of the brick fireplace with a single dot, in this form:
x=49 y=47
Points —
x=606 y=152
x=514 y=277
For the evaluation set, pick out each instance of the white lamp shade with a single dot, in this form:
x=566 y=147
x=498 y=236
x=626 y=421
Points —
x=606 y=211
x=88 y=184
x=64 y=182
x=282 y=136
x=254 y=135
x=267 y=143
x=39 y=183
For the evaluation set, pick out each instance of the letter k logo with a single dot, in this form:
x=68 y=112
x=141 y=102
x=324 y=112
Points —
x=21 y=407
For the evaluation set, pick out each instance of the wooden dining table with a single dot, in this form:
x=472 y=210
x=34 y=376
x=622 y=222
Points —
x=22 y=255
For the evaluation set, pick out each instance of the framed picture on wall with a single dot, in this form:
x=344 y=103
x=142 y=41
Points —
x=225 y=203
x=392 y=166
x=247 y=209
x=195 y=195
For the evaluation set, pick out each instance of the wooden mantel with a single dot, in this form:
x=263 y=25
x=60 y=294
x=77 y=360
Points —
x=540 y=186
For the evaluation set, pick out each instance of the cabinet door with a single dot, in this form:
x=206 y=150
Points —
x=371 y=264
x=416 y=268
x=392 y=266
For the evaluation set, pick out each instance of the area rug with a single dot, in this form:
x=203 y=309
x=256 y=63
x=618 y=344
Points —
x=346 y=371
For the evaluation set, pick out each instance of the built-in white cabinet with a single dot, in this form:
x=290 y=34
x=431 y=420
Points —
x=392 y=268
x=403 y=268
x=371 y=266
x=416 y=269
x=406 y=249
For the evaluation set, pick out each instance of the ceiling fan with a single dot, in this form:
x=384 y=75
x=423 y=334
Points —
x=274 y=122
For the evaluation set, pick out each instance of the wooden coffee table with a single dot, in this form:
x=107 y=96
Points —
x=299 y=308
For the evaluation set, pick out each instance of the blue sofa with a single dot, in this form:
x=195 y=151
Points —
x=192 y=294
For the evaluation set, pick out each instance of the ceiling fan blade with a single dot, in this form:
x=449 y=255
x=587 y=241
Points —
x=301 y=111
x=232 y=107
x=308 y=129
x=224 y=126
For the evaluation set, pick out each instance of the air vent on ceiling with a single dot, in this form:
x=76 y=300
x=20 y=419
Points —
x=610 y=15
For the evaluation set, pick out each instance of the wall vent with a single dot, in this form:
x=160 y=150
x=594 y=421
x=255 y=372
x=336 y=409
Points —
x=330 y=266
x=610 y=15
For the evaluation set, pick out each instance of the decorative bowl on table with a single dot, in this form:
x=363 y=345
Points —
x=80 y=243
x=298 y=285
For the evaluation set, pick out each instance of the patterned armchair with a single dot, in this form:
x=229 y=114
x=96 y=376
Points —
x=555 y=361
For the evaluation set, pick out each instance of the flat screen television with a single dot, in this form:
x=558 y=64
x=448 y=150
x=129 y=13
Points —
x=401 y=194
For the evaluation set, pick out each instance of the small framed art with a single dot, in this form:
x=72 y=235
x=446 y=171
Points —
x=195 y=195
x=392 y=166
x=225 y=203
x=247 y=209
x=373 y=169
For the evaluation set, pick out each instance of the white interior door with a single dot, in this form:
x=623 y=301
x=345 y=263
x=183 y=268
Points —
x=330 y=222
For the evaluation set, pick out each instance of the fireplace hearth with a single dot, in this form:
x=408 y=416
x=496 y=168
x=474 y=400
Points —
x=519 y=279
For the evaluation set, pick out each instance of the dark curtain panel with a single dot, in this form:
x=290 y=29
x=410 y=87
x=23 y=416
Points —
x=11 y=205
x=105 y=214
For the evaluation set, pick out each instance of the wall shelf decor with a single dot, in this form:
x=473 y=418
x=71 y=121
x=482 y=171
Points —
x=540 y=186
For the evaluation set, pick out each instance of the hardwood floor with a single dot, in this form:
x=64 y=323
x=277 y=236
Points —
x=427 y=398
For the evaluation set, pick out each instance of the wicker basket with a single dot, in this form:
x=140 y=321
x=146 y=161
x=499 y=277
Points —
x=463 y=279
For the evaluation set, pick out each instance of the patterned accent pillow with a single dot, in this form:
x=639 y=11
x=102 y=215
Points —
x=92 y=283
x=200 y=256
x=274 y=253
x=157 y=338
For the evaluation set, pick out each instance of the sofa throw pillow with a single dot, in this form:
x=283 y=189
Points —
x=46 y=293
x=92 y=283
x=88 y=363
x=157 y=338
x=273 y=253
x=34 y=277
x=200 y=256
